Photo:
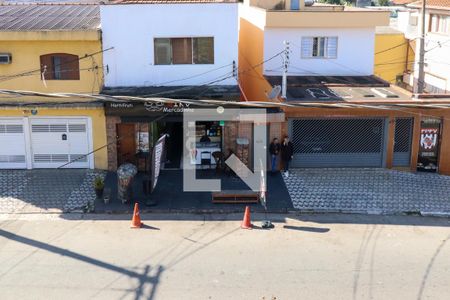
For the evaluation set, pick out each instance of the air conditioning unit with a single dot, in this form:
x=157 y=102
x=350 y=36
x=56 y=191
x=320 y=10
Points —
x=5 y=58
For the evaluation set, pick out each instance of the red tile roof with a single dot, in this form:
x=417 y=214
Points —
x=433 y=3
x=172 y=1
x=402 y=2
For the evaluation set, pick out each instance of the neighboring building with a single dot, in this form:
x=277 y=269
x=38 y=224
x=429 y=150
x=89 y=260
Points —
x=394 y=54
x=47 y=48
x=346 y=116
x=174 y=49
x=437 y=43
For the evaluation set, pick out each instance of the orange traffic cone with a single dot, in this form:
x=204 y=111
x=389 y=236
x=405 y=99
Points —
x=136 y=220
x=246 y=222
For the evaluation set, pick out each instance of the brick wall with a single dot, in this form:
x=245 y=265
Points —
x=111 y=139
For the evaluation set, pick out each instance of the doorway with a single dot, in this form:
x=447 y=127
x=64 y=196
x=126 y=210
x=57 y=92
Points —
x=126 y=143
x=430 y=137
x=174 y=144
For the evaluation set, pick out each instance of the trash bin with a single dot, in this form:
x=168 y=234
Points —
x=125 y=175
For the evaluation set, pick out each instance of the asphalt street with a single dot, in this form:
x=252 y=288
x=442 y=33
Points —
x=210 y=257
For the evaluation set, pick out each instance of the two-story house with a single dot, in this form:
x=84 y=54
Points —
x=51 y=48
x=338 y=114
x=169 y=49
x=437 y=43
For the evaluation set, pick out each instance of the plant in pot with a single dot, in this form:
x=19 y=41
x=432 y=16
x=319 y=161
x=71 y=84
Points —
x=99 y=185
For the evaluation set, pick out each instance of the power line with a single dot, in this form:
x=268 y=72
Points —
x=194 y=76
x=391 y=48
x=27 y=73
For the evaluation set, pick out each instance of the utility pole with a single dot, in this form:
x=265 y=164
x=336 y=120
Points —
x=285 y=69
x=420 y=83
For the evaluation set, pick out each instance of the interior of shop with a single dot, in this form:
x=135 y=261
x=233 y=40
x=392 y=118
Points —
x=136 y=148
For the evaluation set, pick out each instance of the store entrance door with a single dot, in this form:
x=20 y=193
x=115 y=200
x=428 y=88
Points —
x=126 y=143
x=174 y=144
x=430 y=136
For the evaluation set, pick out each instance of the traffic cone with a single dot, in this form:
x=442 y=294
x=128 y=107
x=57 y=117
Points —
x=246 y=222
x=136 y=220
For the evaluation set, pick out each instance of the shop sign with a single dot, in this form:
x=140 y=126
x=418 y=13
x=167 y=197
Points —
x=167 y=107
x=428 y=141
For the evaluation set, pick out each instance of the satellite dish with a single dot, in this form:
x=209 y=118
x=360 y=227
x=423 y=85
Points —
x=275 y=92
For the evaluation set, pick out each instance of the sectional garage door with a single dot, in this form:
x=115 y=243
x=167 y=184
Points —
x=55 y=142
x=12 y=144
x=343 y=142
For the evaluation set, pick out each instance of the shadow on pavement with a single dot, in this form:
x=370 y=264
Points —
x=143 y=278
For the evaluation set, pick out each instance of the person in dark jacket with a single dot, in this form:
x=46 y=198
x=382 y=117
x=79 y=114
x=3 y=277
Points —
x=274 y=150
x=287 y=152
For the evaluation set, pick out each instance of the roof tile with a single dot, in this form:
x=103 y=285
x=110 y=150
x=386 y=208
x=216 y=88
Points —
x=47 y=17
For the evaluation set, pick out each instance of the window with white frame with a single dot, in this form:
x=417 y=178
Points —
x=319 y=47
x=440 y=23
x=184 y=51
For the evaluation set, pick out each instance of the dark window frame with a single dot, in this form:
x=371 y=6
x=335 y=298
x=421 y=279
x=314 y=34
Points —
x=60 y=66
x=196 y=58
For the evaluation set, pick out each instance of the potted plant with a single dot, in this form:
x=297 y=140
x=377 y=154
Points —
x=99 y=185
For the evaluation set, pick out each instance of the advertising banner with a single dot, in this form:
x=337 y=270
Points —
x=156 y=160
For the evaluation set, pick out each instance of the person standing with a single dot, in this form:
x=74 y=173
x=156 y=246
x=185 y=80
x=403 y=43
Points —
x=274 y=150
x=287 y=152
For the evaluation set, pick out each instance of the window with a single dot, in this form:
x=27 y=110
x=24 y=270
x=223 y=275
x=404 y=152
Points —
x=319 y=47
x=60 y=66
x=184 y=51
x=440 y=23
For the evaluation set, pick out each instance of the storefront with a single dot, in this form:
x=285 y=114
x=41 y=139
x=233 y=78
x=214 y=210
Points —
x=133 y=129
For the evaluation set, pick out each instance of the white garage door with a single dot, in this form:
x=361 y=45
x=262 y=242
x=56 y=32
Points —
x=55 y=142
x=12 y=144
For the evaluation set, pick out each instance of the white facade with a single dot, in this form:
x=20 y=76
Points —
x=437 y=50
x=355 y=51
x=131 y=30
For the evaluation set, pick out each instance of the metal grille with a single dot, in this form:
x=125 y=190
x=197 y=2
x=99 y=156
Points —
x=77 y=128
x=338 y=142
x=11 y=128
x=402 y=142
x=49 y=128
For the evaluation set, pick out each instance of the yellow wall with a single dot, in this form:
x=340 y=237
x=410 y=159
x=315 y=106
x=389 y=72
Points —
x=251 y=47
x=97 y=116
x=327 y=19
x=392 y=62
x=25 y=57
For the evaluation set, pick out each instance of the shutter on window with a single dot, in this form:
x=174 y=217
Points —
x=47 y=65
x=182 y=51
x=307 y=47
x=70 y=67
x=332 y=47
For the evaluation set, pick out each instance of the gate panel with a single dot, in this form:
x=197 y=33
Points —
x=341 y=142
x=402 y=142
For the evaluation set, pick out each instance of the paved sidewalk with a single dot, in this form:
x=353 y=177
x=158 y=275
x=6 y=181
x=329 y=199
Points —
x=369 y=191
x=37 y=191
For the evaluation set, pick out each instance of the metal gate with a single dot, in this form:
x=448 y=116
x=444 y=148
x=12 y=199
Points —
x=343 y=142
x=402 y=142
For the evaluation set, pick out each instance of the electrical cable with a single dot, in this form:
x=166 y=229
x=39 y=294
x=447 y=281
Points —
x=27 y=73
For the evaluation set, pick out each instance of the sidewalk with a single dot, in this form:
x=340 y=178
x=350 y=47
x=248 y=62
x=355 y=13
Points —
x=369 y=191
x=46 y=191
x=170 y=197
